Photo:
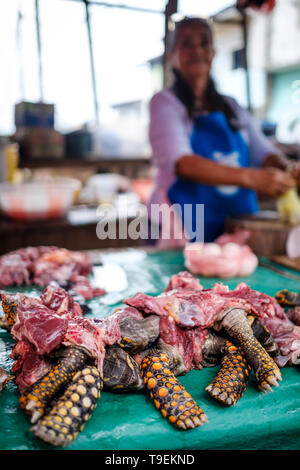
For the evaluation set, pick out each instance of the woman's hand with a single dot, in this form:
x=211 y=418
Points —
x=269 y=181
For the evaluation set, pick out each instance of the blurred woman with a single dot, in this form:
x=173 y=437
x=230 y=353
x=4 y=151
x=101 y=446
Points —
x=206 y=148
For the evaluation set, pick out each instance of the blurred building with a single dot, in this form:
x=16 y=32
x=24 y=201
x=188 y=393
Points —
x=273 y=60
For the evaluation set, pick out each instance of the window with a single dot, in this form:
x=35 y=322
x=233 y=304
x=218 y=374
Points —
x=238 y=59
x=124 y=42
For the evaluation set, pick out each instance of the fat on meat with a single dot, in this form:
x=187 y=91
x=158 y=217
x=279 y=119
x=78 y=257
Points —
x=220 y=260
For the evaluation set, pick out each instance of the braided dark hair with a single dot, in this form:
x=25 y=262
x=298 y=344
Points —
x=213 y=99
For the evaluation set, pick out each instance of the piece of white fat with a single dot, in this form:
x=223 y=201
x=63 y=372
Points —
x=110 y=277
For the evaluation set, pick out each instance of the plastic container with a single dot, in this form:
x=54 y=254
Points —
x=103 y=187
x=36 y=200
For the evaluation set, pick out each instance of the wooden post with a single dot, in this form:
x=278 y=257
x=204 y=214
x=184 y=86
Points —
x=171 y=8
x=39 y=48
x=246 y=67
x=94 y=84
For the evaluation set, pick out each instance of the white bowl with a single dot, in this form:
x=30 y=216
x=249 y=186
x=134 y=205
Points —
x=103 y=187
x=36 y=200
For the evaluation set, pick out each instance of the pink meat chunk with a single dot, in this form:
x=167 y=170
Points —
x=84 y=333
x=16 y=266
x=188 y=308
x=294 y=315
x=45 y=264
x=187 y=342
x=60 y=301
x=183 y=280
x=28 y=366
x=40 y=326
x=60 y=265
x=13 y=270
x=225 y=261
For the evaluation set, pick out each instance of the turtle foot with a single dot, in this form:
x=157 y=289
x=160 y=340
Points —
x=73 y=409
x=35 y=400
x=267 y=372
x=268 y=376
x=169 y=396
x=231 y=381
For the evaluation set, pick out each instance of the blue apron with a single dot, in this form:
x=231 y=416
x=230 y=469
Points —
x=213 y=138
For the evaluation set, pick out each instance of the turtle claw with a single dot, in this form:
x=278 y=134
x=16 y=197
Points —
x=274 y=382
x=268 y=374
x=189 y=424
x=30 y=405
x=265 y=387
x=35 y=417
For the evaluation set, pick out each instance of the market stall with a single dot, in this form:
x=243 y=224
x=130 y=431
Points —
x=129 y=420
x=150 y=228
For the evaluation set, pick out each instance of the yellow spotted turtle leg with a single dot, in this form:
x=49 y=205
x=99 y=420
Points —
x=287 y=298
x=9 y=305
x=231 y=380
x=35 y=400
x=169 y=396
x=73 y=409
x=266 y=371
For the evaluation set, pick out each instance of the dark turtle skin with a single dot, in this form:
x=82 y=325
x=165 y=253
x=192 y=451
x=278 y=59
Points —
x=120 y=371
x=137 y=335
x=231 y=381
x=263 y=335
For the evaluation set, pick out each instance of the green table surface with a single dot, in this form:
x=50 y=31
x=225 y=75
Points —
x=130 y=421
